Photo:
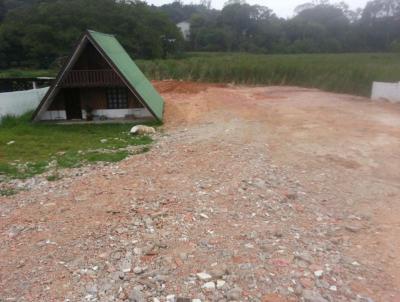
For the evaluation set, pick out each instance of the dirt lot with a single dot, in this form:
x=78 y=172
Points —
x=274 y=193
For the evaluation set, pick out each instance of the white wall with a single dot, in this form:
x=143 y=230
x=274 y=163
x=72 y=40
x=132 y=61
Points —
x=121 y=113
x=185 y=29
x=386 y=91
x=51 y=115
x=109 y=113
x=19 y=102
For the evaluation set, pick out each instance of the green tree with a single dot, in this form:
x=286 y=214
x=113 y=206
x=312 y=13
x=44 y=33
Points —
x=380 y=24
x=150 y=32
x=382 y=9
x=3 y=10
x=54 y=26
x=318 y=28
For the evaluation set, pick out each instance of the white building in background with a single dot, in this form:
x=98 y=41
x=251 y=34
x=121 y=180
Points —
x=184 y=27
x=386 y=91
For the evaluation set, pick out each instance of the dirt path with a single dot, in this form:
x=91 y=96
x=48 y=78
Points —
x=277 y=193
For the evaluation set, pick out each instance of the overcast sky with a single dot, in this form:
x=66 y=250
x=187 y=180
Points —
x=283 y=8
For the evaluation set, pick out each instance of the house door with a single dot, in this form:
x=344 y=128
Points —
x=73 y=104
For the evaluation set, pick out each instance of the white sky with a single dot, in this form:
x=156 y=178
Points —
x=283 y=8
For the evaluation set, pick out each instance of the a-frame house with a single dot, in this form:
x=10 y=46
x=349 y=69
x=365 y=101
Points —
x=100 y=82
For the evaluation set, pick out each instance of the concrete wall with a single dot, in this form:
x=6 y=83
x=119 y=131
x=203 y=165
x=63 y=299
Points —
x=51 y=115
x=19 y=102
x=121 y=113
x=109 y=113
x=386 y=91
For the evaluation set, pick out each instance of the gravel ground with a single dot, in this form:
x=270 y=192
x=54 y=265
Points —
x=249 y=194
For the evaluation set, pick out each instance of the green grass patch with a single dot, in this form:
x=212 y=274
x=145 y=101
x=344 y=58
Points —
x=346 y=73
x=106 y=156
x=27 y=149
x=53 y=177
x=8 y=192
x=145 y=149
x=69 y=160
x=26 y=73
x=23 y=170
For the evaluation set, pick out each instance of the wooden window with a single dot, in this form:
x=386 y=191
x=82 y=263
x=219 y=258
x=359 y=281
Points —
x=117 y=98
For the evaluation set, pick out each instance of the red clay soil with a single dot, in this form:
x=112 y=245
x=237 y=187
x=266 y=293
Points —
x=277 y=193
x=171 y=86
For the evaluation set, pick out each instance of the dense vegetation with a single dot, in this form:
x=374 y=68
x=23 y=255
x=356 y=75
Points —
x=348 y=73
x=317 y=27
x=27 y=149
x=36 y=33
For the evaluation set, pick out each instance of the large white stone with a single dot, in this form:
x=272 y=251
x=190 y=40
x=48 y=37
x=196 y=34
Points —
x=209 y=285
x=220 y=284
x=141 y=129
x=204 y=276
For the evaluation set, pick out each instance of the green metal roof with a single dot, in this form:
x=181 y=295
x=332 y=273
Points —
x=128 y=69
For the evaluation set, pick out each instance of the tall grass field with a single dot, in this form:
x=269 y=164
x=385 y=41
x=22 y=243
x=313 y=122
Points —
x=346 y=73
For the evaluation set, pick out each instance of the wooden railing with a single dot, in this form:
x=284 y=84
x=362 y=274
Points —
x=91 y=78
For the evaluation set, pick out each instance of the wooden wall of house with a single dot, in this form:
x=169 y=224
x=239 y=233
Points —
x=95 y=98
x=58 y=102
x=91 y=59
x=133 y=101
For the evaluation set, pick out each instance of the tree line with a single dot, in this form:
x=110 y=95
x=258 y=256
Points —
x=317 y=27
x=37 y=33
